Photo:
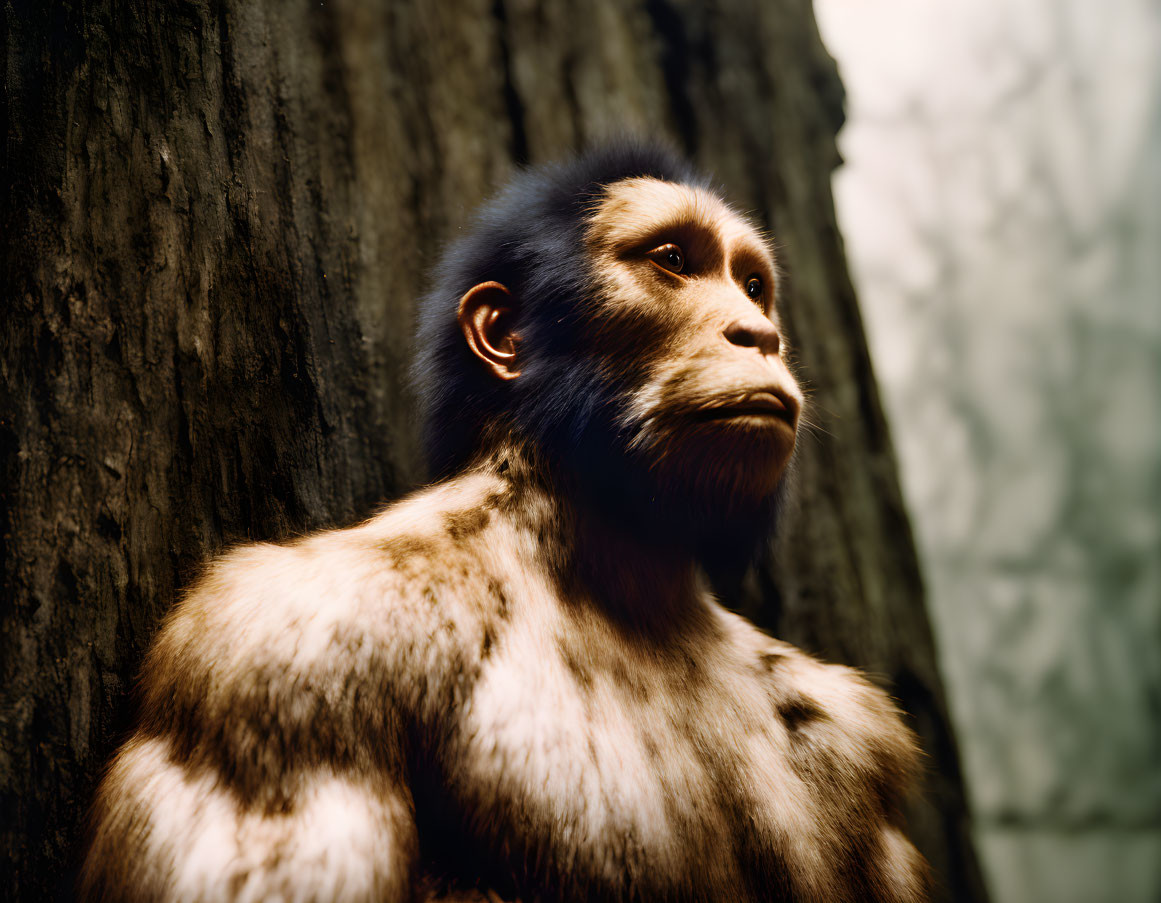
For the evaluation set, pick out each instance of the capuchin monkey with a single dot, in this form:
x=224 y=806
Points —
x=514 y=684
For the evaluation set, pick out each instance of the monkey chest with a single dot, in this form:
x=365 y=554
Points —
x=665 y=779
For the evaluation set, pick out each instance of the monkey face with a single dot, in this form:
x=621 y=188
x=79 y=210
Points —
x=685 y=323
x=632 y=338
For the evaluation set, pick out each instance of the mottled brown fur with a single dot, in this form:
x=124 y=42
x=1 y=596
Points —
x=498 y=689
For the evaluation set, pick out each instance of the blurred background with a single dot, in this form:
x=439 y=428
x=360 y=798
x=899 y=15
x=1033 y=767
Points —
x=1001 y=206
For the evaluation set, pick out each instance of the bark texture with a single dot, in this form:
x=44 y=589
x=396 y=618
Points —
x=215 y=221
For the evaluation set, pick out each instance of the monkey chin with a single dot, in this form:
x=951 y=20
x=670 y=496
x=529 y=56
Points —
x=715 y=472
x=735 y=463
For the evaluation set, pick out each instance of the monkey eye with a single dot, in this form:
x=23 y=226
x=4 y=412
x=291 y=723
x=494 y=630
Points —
x=668 y=257
x=754 y=288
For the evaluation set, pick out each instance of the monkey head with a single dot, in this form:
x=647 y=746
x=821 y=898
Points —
x=619 y=315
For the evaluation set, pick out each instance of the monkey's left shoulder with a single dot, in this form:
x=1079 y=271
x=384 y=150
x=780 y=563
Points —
x=831 y=705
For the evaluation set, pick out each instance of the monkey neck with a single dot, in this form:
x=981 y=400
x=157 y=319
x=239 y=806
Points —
x=642 y=578
x=630 y=576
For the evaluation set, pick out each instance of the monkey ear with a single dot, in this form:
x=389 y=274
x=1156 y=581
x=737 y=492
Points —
x=486 y=315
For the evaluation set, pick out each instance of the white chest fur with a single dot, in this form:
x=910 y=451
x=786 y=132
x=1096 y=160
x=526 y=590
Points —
x=700 y=769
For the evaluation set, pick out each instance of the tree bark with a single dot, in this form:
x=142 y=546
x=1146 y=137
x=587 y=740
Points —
x=216 y=219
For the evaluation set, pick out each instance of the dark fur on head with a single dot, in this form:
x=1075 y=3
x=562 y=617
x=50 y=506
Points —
x=530 y=238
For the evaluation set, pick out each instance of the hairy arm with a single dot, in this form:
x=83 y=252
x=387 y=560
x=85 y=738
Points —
x=269 y=759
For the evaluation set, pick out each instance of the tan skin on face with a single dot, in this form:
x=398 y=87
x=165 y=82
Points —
x=719 y=406
x=634 y=233
x=702 y=279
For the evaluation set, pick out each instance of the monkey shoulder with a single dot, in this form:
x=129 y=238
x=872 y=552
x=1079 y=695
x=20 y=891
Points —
x=374 y=625
x=849 y=759
x=827 y=707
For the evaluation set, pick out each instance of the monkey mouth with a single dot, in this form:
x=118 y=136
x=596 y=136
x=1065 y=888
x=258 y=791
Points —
x=767 y=404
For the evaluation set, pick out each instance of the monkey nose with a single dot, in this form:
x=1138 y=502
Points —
x=757 y=333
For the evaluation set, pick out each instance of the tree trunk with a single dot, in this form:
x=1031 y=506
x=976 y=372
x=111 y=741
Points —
x=215 y=222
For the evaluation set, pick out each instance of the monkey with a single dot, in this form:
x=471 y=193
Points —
x=515 y=683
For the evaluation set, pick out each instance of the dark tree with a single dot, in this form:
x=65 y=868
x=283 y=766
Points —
x=215 y=221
